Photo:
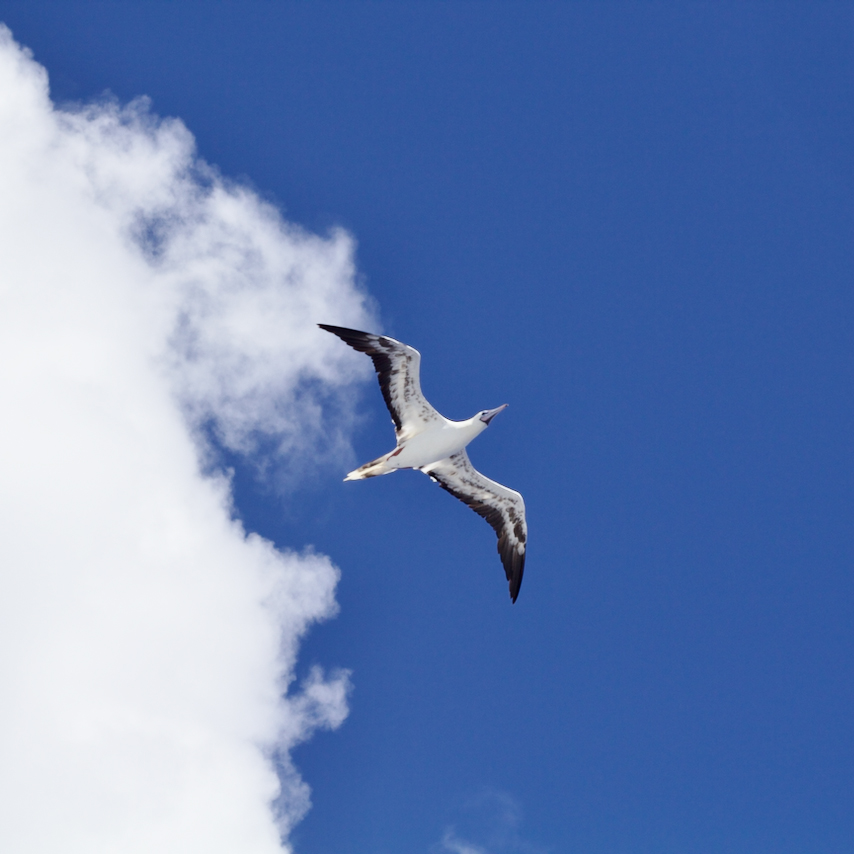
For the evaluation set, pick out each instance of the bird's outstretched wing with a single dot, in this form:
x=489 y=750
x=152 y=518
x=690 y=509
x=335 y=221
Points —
x=398 y=368
x=503 y=508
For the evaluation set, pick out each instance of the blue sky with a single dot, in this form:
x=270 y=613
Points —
x=632 y=223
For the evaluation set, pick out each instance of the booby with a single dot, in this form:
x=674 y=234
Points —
x=429 y=442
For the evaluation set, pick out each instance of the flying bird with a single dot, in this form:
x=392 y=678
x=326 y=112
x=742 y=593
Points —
x=431 y=443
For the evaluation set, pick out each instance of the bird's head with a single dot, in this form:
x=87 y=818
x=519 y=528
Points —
x=488 y=414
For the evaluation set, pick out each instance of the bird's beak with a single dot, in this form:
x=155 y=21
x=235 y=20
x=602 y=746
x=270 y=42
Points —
x=491 y=413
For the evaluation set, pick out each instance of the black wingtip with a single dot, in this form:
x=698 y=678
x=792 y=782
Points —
x=341 y=331
x=364 y=342
x=515 y=584
x=514 y=566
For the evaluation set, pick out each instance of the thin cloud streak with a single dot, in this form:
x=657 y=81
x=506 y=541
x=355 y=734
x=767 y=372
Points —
x=151 y=312
x=454 y=845
x=494 y=818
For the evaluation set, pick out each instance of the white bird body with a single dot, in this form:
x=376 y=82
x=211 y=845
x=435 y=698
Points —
x=435 y=445
x=437 y=441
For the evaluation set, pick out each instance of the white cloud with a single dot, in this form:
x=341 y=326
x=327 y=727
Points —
x=145 y=639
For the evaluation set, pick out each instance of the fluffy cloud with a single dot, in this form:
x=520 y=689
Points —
x=147 y=642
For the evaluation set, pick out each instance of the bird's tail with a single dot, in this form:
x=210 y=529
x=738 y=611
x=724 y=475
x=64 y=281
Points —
x=372 y=469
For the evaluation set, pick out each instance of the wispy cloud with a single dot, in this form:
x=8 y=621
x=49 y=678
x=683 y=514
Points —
x=453 y=844
x=147 y=642
x=493 y=818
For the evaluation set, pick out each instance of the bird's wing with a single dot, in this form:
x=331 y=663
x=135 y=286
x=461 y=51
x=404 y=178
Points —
x=503 y=508
x=398 y=367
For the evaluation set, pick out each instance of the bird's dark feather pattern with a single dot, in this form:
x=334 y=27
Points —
x=503 y=508
x=398 y=367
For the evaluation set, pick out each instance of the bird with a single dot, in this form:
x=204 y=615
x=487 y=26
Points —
x=435 y=445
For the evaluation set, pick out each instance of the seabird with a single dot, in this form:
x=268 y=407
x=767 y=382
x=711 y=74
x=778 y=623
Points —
x=431 y=443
